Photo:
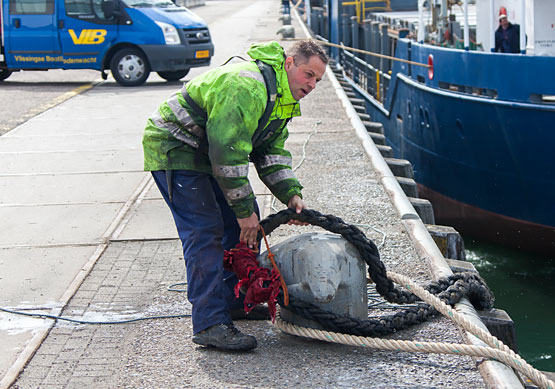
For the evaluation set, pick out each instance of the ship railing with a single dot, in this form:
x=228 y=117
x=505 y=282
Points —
x=372 y=80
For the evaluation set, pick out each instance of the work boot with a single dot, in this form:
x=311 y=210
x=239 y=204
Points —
x=225 y=337
x=259 y=312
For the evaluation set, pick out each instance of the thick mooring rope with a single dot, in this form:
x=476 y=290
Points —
x=448 y=290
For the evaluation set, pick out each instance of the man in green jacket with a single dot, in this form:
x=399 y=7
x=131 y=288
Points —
x=198 y=145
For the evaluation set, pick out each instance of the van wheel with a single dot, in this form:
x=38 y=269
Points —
x=4 y=73
x=173 y=76
x=130 y=67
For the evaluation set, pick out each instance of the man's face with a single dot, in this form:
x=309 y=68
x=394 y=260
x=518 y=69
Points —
x=303 y=77
x=504 y=22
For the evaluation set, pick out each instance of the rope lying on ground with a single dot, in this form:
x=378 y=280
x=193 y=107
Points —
x=437 y=297
x=497 y=350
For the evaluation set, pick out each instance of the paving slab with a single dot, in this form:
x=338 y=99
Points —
x=151 y=219
x=68 y=189
x=56 y=224
x=47 y=143
x=83 y=161
x=39 y=276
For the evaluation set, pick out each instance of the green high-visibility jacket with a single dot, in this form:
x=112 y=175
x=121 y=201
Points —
x=234 y=98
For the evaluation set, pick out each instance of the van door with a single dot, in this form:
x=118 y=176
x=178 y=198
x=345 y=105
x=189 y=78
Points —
x=85 y=33
x=31 y=33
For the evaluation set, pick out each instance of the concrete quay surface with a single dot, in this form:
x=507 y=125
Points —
x=87 y=235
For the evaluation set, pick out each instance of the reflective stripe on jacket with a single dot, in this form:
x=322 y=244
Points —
x=234 y=98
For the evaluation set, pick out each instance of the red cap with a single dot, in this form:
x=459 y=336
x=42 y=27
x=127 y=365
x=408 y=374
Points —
x=502 y=13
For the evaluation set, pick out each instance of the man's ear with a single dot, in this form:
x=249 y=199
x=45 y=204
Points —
x=289 y=61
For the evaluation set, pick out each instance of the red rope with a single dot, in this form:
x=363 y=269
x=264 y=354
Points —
x=275 y=266
x=259 y=284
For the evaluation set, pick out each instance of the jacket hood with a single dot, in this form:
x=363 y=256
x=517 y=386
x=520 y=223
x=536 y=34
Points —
x=271 y=52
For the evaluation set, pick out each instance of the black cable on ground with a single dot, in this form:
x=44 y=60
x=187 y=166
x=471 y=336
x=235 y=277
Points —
x=449 y=289
x=62 y=318
x=171 y=288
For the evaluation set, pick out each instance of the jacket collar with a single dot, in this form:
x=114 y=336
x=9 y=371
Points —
x=286 y=105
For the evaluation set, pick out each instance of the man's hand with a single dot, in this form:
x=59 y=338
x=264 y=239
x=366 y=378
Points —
x=296 y=203
x=249 y=230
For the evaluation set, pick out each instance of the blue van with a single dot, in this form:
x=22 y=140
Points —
x=129 y=37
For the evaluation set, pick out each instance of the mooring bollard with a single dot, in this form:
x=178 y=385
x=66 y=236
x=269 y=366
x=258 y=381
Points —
x=287 y=31
x=322 y=269
x=286 y=19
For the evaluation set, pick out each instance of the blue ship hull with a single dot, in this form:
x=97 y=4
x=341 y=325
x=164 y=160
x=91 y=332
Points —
x=481 y=137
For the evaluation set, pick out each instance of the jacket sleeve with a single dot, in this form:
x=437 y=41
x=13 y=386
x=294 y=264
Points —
x=274 y=168
x=497 y=41
x=233 y=110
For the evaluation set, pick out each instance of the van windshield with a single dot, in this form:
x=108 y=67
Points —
x=149 y=3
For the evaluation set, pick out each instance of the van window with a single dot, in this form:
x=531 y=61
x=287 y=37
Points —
x=87 y=9
x=78 y=7
x=35 y=7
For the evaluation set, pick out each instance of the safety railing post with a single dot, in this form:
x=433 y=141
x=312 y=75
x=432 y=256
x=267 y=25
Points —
x=378 y=85
x=314 y=25
x=367 y=39
x=324 y=17
x=354 y=44
x=385 y=65
x=345 y=30
x=375 y=42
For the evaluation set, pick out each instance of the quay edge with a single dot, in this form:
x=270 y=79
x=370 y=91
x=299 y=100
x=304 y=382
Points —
x=495 y=374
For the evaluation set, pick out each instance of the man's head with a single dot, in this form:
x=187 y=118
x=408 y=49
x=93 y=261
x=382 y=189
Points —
x=305 y=64
x=503 y=21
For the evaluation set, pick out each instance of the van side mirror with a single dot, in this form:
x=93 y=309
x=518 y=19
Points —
x=110 y=9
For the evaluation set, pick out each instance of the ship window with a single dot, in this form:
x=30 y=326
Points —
x=420 y=78
x=545 y=99
x=469 y=90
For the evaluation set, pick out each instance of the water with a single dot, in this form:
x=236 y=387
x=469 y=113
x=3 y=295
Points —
x=524 y=286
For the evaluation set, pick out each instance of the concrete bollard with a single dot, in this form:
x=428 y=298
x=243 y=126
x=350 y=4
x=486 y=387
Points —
x=500 y=325
x=400 y=167
x=375 y=127
x=325 y=270
x=287 y=31
x=286 y=19
x=448 y=240
x=424 y=209
x=408 y=185
x=385 y=151
x=378 y=139
x=359 y=108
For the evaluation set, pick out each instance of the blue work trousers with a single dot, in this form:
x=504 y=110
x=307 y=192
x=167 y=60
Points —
x=206 y=226
x=286 y=7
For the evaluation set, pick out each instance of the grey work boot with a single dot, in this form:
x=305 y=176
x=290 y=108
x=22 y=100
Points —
x=225 y=337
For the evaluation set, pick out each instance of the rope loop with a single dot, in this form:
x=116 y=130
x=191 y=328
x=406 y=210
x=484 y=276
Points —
x=448 y=289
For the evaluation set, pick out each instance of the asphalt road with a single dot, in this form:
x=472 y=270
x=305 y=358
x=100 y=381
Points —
x=26 y=94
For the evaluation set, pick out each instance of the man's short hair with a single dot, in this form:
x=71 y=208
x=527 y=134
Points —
x=301 y=51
